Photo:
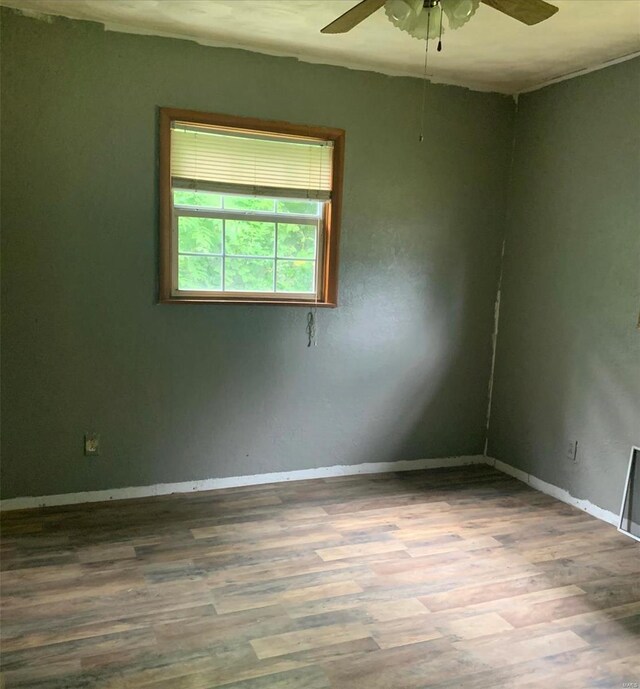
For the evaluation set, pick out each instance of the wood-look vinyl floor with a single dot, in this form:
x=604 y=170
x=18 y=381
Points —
x=441 y=579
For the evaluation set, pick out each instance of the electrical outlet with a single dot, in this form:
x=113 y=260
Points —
x=572 y=451
x=91 y=444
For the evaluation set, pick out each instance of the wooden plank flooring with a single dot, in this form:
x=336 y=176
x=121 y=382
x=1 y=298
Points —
x=445 y=578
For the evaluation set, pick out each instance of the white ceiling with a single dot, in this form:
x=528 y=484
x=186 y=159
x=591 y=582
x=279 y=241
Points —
x=492 y=52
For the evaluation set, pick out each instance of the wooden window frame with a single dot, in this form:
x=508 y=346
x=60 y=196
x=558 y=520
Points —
x=328 y=268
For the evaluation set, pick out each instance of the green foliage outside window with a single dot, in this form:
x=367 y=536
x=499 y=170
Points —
x=249 y=238
x=298 y=207
x=296 y=241
x=200 y=199
x=249 y=203
x=247 y=247
x=295 y=276
x=199 y=235
x=199 y=272
x=248 y=274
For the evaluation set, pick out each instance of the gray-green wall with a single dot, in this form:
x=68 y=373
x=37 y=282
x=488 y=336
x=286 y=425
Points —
x=568 y=355
x=190 y=392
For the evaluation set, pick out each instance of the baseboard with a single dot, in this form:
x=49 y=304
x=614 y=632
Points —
x=236 y=481
x=555 y=492
x=303 y=474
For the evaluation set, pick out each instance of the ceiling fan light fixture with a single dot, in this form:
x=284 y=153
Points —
x=418 y=21
x=427 y=24
x=398 y=10
x=463 y=9
x=458 y=12
x=405 y=13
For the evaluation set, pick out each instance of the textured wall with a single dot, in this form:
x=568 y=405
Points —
x=191 y=392
x=568 y=356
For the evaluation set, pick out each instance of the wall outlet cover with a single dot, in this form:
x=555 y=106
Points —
x=91 y=444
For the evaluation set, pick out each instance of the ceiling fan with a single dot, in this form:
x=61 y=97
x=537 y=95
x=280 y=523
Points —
x=414 y=16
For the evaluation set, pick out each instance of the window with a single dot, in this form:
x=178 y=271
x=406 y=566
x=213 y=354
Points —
x=249 y=210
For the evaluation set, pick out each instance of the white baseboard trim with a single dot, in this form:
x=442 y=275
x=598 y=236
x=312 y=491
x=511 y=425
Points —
x=237 y=481
x=555 y=492
x=304 y=474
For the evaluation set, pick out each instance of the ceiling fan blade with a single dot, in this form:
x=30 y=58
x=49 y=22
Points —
x=526 y=11
x=345 y=22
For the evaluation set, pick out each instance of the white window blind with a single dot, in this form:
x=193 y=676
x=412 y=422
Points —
x=211 y=158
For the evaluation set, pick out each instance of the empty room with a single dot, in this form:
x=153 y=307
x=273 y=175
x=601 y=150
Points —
x=320 y=360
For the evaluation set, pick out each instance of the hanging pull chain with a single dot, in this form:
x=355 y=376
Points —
x=440 y=36
x=424 y=80
x=311 y=329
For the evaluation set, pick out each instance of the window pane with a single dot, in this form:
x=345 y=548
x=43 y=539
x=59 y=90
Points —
x=296 y=241
x=199 y=235
x=299 y=207
x=295 y=276
x=203 y=199
x=249 y=203
x=248 y=274
x=200 y=272
x=249 y=238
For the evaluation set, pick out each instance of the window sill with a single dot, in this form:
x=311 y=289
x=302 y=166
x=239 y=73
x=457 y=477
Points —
x=249 y=302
